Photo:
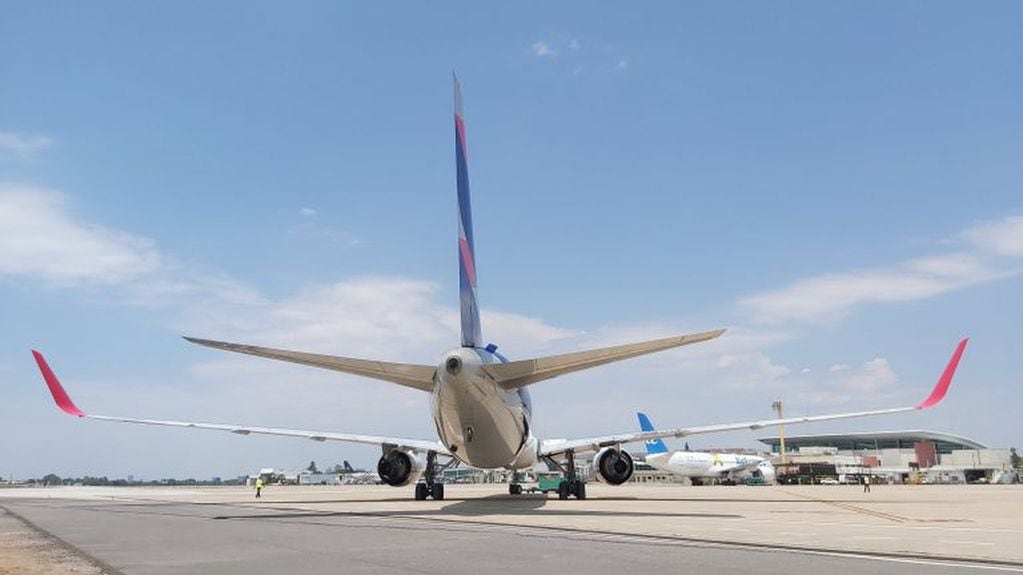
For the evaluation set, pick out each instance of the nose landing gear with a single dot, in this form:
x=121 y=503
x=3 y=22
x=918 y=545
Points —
x=574 y=487
x=425 y=491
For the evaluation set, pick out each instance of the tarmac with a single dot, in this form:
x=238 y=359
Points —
x=378 y=529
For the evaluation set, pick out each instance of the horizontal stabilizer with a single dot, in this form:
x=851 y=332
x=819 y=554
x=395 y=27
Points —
x=407 y=374
x=517 y=374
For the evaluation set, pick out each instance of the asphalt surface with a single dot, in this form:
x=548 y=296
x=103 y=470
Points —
x=160 y=536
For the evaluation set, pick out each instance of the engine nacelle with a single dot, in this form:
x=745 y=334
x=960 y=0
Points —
x=399 y=468
x=613 y=465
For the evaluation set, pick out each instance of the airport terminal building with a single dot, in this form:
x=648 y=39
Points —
x=913 y=456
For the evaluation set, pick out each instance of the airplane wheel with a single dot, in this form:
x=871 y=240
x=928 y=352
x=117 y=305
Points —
x=563 y=490
x=438 y=492
x=515 y=489
x=580 y=490
x=421 y=491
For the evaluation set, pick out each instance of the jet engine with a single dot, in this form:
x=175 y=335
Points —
x=614 y=465
x=398 y=468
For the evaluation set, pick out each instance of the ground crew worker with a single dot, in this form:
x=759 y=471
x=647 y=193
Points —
x=259 y=486
x=866 y=484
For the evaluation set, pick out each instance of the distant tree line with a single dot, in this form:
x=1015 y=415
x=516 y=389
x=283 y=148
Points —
x=54 y=479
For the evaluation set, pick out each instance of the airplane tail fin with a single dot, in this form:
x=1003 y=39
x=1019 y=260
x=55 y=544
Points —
x=471 y=332
x=653 y=446
x=348 y=466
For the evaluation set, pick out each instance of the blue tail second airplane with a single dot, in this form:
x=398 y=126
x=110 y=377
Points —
x=700 y=466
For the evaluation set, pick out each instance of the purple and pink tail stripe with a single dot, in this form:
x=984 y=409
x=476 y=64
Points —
x=471 y=332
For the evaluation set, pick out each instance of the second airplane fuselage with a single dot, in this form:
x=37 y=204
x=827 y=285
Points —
x=711 y=465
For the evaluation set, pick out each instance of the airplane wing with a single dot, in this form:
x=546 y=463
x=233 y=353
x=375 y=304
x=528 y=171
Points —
x=65 y=404
x=559 y=447
x=515 y=374
x=407 y=374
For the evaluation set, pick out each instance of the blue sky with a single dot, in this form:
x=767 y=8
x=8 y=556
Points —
x=838 y=184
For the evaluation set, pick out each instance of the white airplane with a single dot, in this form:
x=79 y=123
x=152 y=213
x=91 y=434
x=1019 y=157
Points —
x=701 y=465
x=480 y=403
x=353 y=477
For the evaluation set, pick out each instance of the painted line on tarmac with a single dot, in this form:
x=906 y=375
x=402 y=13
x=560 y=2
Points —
x=958 y=563
x=912 y=561
x=105 y=568
x=854 y=508
x=611 y=536
x=943 y=528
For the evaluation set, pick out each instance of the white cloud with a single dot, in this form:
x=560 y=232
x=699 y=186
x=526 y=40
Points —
x=307 y=212
x=831 y=297
x=542 y=49
x=748 y=370
x=184 y=288
x=380 y=317
x=839 y=367
x=573 y=44
x=871 y=377
x=1003 y=237
x=869 y=382
x=622 y=64
x=948 y=265
x=24 y=147
x=313 y=230
x=40 y=239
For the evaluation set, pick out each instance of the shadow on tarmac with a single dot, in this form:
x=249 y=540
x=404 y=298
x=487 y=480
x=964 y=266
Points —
x=533 y=505
x=540 y=497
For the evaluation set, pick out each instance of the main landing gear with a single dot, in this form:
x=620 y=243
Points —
x=571 y=485
x=515 y=488
x=430 y=487
x=424 y=491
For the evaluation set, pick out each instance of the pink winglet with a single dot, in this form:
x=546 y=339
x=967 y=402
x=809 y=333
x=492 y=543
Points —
x=56 y=389
x=939 y=391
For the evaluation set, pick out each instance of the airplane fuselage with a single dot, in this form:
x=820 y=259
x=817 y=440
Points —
x=480 y=423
